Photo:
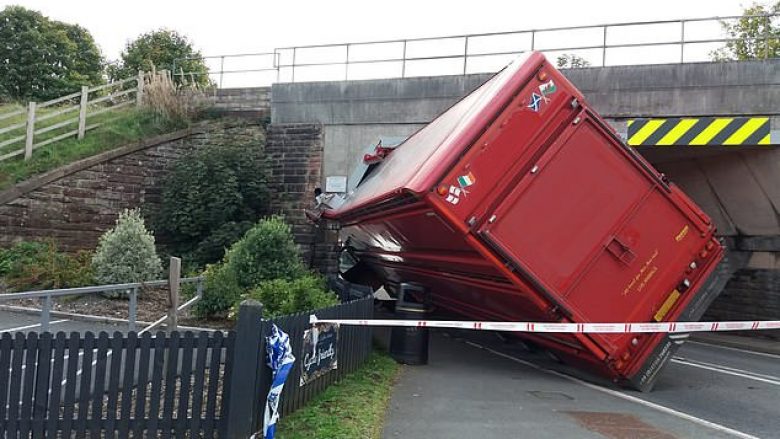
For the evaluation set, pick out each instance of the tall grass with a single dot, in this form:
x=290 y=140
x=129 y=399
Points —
x=177 y=102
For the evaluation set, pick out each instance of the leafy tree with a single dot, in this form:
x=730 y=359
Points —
x=42 y=59
x=211 y=198
x=756 y=35
x=161 y=49
x=571 y=61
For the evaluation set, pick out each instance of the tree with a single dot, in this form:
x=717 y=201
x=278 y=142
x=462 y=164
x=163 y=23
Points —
x=126 y=253
x=571 y=61
x=756 y=35
x=211 y=198
x=41 y=59
x=161 y=49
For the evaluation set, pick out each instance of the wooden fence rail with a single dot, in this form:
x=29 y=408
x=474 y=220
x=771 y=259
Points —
x=47 y=117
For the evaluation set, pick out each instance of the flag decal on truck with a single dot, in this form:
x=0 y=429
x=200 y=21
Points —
x=466 y=180
x=454 y=196
x=729 y=131
x=547 y=89
x=536 y=102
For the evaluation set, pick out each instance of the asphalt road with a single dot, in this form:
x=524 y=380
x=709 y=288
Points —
x=477 y=385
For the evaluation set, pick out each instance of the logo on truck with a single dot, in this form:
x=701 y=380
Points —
x=454 y=195
x=545 y=90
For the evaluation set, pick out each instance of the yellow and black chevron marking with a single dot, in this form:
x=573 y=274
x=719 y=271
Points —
x=699 y=131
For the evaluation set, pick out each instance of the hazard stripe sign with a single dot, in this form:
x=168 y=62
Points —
x=701 y=131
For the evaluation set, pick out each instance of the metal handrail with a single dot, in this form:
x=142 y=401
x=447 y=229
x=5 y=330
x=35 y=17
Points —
x=57 y=292
x=130 y=288
x=465 y=55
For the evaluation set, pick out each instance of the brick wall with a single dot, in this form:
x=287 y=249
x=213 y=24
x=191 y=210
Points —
x=752 y=293
x=246 y=102
x=75 y=204
x=295 y=152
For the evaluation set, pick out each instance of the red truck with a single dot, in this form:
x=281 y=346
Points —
x=519 y=203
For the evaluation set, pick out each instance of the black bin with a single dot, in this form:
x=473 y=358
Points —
x=409 y=345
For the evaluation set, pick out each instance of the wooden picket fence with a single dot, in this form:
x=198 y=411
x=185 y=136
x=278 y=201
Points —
x=49 y=120
x=166 y=385
x=354 y=347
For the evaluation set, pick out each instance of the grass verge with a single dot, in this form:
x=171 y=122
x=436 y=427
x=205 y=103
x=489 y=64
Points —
x=351 y=409
x=128 y=126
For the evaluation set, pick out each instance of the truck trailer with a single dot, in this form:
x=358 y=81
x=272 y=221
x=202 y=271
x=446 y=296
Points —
x=519 y=203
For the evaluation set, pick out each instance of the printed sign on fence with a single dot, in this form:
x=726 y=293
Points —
x=320 y=351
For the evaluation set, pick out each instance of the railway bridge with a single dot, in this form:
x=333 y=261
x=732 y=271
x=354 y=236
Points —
x=712 y=128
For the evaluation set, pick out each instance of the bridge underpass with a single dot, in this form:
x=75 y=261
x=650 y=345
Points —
x=737 y=185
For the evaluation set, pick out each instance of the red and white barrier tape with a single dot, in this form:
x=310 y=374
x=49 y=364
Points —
x=613 y=328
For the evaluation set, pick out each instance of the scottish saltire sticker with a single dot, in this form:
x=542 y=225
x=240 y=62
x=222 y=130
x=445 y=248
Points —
x=454 y=195
x=536 y=102
x=466 y=180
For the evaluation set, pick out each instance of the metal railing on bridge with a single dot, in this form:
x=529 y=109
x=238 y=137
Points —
x=630 y=43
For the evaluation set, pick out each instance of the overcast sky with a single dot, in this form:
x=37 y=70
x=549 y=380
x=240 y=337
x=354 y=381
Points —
x=237 y=26
x=233 y=26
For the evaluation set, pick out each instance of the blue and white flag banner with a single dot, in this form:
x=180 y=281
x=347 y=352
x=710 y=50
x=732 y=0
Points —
x=280 y=360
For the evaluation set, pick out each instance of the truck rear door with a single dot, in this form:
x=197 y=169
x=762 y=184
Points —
x=595 y=232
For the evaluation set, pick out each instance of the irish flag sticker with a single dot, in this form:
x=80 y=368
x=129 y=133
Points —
x=466 y=180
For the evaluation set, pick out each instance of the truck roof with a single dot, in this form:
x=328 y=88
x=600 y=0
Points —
x=419 y=162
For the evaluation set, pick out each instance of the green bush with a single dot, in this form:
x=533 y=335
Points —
x=220 y=291
x=265 y=260
x=211 y=198
x=126 y=253
x=267 y=251
x=282 y=296
x=37 y=265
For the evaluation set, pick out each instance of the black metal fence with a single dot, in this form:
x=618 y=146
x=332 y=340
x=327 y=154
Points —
x=168 y=385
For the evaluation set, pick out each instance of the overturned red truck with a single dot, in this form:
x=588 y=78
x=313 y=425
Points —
x=519 y=203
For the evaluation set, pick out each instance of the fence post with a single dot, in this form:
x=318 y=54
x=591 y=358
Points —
x=465 y=55
x=139 y=95
x=403 y=62
x=767 y=26
x=250 y=379
x=83 y=111
x=221 y=70
x=174 y=279
x=46 y=314
x=28 y=145
x=133 y=310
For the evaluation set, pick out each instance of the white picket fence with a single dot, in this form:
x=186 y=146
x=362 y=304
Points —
x=105 y=98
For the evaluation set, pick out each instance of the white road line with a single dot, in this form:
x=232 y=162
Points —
x=22 y=328
x=621 y=395
x=769 y=379
x=729 y=348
